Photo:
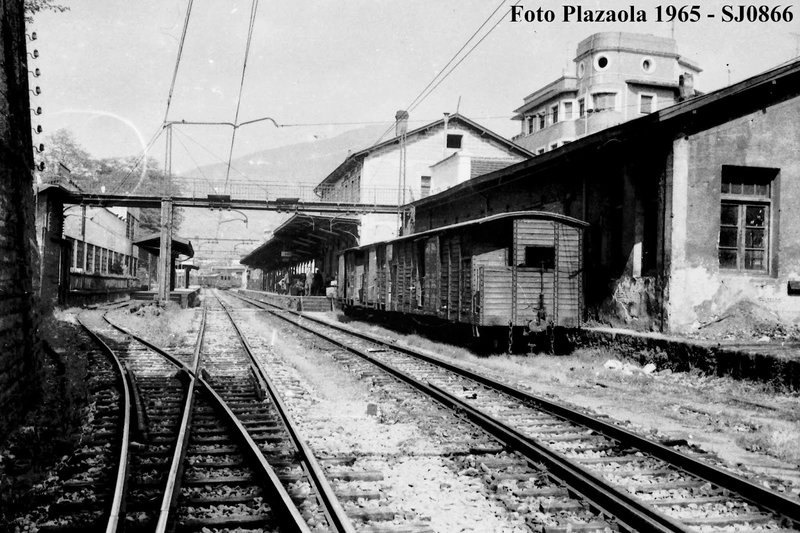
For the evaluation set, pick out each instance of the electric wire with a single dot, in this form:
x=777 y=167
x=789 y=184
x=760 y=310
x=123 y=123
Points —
x=253 y=11
x=217 y=157
x=416 y=101
x=138 y=161
x=178 y=59
x=501 y=19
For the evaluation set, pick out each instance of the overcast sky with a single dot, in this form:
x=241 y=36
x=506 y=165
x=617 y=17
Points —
x=107 y=65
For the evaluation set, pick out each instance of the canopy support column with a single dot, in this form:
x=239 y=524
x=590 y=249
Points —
x=165 y=251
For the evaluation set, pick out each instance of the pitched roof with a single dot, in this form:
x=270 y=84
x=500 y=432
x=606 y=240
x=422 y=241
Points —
x=457 y=117
x=485 y=165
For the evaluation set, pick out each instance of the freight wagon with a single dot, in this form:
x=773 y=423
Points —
x=517 y=272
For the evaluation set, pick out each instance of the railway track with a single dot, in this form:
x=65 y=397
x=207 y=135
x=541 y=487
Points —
x=646 y=485
x=481 y=466
x=92 y=496
x=209 y=449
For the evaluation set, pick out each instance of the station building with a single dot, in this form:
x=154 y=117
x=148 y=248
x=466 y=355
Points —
x=614 y=77
x=692 y=208
x=411 y=165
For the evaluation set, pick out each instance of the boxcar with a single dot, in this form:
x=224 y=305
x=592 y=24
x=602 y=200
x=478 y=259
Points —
x=512 y=270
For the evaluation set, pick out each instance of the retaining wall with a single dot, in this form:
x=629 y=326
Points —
x=778 y=365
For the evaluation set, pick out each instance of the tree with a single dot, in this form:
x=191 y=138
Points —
x=61 y=148
x=32 y=7
x=120 y=175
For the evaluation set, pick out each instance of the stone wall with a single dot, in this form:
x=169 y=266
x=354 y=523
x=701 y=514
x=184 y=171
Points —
x=18 y=345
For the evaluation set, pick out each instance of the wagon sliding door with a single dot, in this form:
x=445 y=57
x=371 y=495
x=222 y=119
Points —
x=493 y=282
x=569 y=275
x=431 y=282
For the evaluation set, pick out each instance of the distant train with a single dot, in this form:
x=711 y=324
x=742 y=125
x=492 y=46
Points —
x=511 y=273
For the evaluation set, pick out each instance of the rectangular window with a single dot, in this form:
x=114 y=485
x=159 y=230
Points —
x=79 y=256
x=542 y=257
x=540 y=151
x=581 y=108
x=72 y=252
x=542 y=123
x=453 y=140
x=425 y=186
x=97 y=258
x=568 y=111
x=135 y=266
x=646 y=103
x=554 y=113
x=529 y=120
x=746 y=201
x=554 y=146
x=604 y=101
x=89 y=258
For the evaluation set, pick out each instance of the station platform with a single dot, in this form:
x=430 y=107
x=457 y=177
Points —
x=775 y=363
x=309 y=304
x=185 y=297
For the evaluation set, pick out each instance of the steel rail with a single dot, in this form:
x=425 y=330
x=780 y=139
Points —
x=630 y=513
x=330 y=503
x=117 y=509
x=173 y=487
x=760 y=496
x=290 y=516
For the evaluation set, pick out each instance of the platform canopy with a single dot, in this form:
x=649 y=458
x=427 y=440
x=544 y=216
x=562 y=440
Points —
x=152 y=244
x=302 y=238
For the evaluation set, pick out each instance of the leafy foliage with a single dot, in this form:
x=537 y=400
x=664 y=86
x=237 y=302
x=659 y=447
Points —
x=67 y=161
x=32 y=7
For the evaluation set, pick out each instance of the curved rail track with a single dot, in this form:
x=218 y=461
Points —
x=93 y=495
x=211 y=448
x=643 y=484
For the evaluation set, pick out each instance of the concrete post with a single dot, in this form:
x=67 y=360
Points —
x=165 y=251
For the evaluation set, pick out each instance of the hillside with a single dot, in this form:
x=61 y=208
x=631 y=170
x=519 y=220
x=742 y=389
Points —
x=302 y=163
x=307 y=162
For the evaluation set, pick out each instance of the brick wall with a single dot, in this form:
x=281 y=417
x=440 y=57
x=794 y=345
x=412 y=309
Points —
x=18 y=346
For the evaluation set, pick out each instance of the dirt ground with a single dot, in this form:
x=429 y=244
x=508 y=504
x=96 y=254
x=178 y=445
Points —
x=746 y=424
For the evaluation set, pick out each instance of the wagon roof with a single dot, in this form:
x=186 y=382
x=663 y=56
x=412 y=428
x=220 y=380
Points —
x=492 y=218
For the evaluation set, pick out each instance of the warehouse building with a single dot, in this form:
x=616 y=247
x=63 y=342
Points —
x=692 y=208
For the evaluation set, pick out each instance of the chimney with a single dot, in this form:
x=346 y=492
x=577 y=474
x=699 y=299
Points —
x=401 y=123
x=685 y=86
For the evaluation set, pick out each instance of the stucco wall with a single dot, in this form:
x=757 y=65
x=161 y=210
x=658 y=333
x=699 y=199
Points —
x=382 y=168
x=699 y=290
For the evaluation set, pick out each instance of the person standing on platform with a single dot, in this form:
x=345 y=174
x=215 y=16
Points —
x=317 y=284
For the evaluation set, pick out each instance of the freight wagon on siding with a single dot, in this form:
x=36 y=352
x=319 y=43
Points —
x=520 y=270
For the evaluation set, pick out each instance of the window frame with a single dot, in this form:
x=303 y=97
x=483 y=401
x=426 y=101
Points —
x=554 y=114
x=453 y=137
x=653 y=104
x=756 y=176
x=424 y=186
x=569 y=115
x=610 y=93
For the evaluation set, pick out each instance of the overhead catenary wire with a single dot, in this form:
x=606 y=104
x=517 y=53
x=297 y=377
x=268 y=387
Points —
x=420 y=98
x=178 y=58
x=216 y=156
x=411 y=108
x=251 y=26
